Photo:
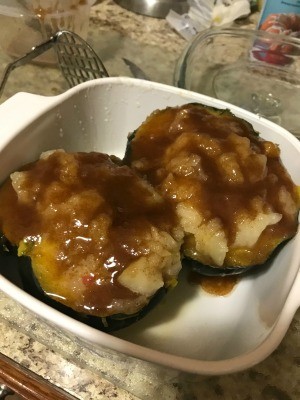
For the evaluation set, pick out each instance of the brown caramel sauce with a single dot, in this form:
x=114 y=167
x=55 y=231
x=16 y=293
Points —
x=215 y=285
x=210 y=135
x=94 y=213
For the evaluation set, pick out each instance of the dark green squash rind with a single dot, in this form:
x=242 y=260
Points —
x=209 y=270
x=20 y=272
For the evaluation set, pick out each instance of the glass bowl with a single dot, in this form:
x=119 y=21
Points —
x=252 y=69
x=25 y=24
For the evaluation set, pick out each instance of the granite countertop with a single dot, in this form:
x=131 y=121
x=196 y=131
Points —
x=153 y=45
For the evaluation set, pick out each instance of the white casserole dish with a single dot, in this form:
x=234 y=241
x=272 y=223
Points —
x=190 y=330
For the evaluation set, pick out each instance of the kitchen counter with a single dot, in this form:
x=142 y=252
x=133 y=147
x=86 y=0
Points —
x=152 y=44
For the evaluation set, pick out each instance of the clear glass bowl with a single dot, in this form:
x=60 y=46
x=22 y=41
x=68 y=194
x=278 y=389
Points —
x=25 y=24
x=252 y=69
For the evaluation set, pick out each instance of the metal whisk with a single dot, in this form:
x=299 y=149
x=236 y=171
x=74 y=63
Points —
x=77 y=60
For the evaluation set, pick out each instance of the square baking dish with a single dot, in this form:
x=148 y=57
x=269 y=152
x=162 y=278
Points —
x=189 y=330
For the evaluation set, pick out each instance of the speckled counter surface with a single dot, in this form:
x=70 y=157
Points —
x=150 y=43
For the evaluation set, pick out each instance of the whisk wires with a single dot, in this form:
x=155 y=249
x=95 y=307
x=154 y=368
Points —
x=77 y=60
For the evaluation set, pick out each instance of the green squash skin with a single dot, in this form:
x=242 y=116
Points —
x=20 y=272
x=209 y=270
x=127 y=154
x=107 y=324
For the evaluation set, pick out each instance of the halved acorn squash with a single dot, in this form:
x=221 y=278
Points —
x=235 y=201
x=94 y=239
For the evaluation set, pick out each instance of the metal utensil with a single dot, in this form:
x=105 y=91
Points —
x=136 y=71
x=154 y=8
x=77 y=61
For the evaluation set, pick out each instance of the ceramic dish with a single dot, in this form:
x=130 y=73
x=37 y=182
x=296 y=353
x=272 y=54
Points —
x=220 y=334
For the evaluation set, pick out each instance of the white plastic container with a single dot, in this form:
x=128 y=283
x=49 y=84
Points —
x=190 y=330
